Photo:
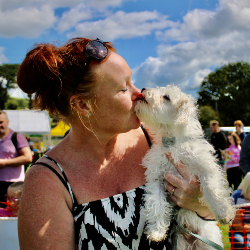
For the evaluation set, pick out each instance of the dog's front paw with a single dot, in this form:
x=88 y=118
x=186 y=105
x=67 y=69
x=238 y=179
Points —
x=157 y=236
x=227 y=218
x=225 y=221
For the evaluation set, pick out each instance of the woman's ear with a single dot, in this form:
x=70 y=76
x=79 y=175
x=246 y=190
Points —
x=80 y=105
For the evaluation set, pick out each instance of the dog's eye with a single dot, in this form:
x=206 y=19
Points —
x=166 y=97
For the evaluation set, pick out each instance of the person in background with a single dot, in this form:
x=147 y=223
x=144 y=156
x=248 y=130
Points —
x=239 y=129
x=13 y=198
x=218 y=140
x=27 y=137
x=87 y=191
x=241 y=196
x=231 y=156
x=12 y=160
x=245 y=155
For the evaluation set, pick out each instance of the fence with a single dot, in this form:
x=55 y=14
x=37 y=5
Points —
x=237 y=236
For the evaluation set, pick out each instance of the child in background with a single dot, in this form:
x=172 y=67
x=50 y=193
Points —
x=242 y=196
x=231 y=155
x=13 y=197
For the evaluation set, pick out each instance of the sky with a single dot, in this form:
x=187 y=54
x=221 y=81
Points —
x=163 y=41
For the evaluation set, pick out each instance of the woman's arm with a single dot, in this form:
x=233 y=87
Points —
x=45 y=220
x=25 y=157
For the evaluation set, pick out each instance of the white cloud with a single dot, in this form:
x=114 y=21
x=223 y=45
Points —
x=26 y=22
x=85 y=11
x=198 y=78
x=123 y=25
x=103 y=4
x=204 y=40
x=3 y=58
x=15 y=4
x=70 y=18
x=230 y=16
x=29 y=18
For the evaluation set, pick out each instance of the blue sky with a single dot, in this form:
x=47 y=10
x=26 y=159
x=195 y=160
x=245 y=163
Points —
x=163 y=41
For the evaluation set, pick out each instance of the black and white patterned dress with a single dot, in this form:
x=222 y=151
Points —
x=111 y=223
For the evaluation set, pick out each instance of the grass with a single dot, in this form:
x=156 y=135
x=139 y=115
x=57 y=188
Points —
x=226 y=241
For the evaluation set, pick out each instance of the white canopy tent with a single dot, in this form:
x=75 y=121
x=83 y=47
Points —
x=30 y=122
x=245 y=129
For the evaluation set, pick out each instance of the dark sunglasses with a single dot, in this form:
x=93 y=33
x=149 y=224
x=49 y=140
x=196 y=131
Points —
x=96 y=50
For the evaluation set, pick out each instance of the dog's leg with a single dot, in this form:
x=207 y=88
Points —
x=197 y=156
x=157 y=210
x=192 y=223
x=217 y=198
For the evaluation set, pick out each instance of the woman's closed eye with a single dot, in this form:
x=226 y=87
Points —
x=123 y=90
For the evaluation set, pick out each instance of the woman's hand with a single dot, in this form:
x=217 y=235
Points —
x=186 y=192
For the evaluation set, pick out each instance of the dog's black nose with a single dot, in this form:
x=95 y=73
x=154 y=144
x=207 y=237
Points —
x=143 y=90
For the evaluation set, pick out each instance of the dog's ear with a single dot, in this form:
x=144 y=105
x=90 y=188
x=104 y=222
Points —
x=184 y=113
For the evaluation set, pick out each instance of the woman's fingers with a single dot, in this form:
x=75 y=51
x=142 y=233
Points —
x=187 y=186
x=182 y=169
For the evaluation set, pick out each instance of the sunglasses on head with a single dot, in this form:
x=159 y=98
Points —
x=96 y=50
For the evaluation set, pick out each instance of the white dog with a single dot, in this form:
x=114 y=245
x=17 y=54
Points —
x=172 y=119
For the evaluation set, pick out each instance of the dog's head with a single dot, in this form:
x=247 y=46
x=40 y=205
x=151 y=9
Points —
x=165 y=106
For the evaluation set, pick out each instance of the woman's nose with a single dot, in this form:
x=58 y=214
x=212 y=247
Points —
x=136 y=93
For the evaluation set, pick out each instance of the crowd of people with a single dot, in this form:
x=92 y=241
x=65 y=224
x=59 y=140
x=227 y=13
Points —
x=233 y=153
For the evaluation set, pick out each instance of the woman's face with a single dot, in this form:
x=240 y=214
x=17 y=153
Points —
x=231 y=140
x=115 y=97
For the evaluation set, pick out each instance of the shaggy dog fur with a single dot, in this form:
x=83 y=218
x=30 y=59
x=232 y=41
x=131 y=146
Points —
x=172 y=116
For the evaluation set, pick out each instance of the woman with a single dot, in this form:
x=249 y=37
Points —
x=239 y=129
x=231 y=155
x=89 y=85
x=240 y=225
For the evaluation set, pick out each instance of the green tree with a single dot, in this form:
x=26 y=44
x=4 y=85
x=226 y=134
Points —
x=8 y=74
x=207 y=114
x=227 y=90
x=17 y=103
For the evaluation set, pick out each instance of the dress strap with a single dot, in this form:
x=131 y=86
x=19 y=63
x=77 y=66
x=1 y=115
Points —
x=64 y=181
x=146 y=135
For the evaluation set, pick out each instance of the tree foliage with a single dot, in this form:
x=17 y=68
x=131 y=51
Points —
x=17 y=103
x=227 y=90
x=207 y=114
x=8 y=74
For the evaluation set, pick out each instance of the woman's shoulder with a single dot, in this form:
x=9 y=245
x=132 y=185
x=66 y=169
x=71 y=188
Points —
x=41 y=182
x=40 y=175
x=139 y=136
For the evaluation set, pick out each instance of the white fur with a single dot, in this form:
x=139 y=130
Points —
x=178 y=118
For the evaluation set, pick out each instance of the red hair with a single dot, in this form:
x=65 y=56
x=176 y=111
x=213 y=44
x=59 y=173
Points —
x=54 y=74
